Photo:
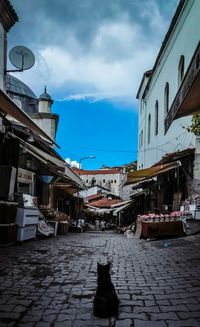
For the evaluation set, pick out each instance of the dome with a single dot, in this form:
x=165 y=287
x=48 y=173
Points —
x=14 y=85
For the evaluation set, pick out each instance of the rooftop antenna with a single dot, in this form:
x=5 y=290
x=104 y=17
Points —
x=22 y=58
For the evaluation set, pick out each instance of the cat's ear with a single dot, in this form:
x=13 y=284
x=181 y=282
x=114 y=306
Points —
x=109 y=260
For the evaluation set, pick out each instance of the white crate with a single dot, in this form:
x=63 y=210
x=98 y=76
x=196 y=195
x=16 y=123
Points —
x=26 y=233
x=54 y=224
x=27 y=216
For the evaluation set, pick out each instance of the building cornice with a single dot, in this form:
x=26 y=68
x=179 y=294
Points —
x=165 y=42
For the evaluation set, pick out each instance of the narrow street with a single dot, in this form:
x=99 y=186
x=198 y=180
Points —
x=52 y=282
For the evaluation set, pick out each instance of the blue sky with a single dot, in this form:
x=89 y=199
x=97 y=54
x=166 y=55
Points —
x=101 y=129
x=92 y=54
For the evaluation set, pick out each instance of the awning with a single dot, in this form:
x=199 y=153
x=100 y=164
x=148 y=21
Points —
x=61 y=168
x=137 y=194
x=121 y=208
x=187 y=100
x=140 y=175
x=97 y=211
x=67 y=187
x=7 y=106
x=59 y=163
x=119 y=204
x=67 y=172
x=73 y=176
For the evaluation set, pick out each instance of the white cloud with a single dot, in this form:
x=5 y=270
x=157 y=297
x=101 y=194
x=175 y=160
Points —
x=72 y=163
x=111 y=62
x=90 y=97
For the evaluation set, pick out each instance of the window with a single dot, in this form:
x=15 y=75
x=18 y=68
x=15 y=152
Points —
x=166 y=98
x=181 y=69
x=156 y=118
x=86 y=180
x=142 y=138
x=115 y=181
x=149 y=130
x=104 y=181
x=111 y=181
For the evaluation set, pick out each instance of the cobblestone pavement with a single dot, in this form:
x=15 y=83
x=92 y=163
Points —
x=52 y=282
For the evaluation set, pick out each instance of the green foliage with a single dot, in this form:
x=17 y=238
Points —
x=195 y=125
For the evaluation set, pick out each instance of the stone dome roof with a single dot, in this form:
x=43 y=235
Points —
x=14 y=85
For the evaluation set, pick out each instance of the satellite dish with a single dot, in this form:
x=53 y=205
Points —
x=21 y=57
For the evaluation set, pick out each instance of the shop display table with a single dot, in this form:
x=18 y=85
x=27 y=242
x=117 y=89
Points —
x=161 y=228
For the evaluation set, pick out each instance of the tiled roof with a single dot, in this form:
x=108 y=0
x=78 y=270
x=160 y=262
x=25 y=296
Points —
x=98 y=172
x=95 y=196
x=105 y=203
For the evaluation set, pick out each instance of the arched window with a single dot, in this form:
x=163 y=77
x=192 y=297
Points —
x=156 y=118
x=166 y=98
x=149 y=130
x=181 y=67
x=142 y=136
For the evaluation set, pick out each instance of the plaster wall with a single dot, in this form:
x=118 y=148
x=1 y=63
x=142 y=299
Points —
x=2 y=57
x=47 y=125
x=183 y=41
x=92 y=191
x=113 y=182
x=44 y=106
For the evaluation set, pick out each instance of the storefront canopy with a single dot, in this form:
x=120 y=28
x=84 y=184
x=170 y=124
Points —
x=57 y=162
x=8 y=107
x=187 y=100
x=122 y=207
x=59 y=167
x=67 y=172
x=97 y=211
x=140 y=175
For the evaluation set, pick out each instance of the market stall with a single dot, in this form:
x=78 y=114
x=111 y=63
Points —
x=162 y=225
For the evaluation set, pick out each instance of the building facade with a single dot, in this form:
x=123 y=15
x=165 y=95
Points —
x=159 y=87
x=111 y=179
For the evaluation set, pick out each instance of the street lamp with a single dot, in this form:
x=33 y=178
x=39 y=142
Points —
x=78 y=190
x=84 y=158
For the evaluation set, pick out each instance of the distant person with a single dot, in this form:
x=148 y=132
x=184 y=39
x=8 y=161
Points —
x=97 y=224
x=103 y=225
x=81 y=223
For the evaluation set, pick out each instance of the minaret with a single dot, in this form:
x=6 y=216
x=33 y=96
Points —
x=44 y=118
x=45 y=102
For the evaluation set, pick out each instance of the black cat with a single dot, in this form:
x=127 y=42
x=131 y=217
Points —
x=106 y=302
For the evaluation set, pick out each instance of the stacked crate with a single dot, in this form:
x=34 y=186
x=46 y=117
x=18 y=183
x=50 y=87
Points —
x=27 y=221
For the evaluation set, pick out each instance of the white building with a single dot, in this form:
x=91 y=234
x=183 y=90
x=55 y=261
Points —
x=92 y=190
x=160 y=86
x=111 y=178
